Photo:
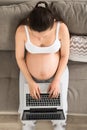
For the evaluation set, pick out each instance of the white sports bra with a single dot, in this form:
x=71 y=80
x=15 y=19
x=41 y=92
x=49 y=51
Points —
x=30 y=47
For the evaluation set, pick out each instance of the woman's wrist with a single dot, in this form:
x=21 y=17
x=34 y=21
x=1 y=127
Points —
x=31 y=81
x=56 y=79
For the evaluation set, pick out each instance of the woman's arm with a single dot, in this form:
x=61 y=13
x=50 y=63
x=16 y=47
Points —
x=64 y=51
x=20 y=53
x=64 y=55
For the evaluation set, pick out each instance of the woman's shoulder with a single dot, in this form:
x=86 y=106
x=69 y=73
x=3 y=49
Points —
x=20 y=29
x=20 y=32
x=63 y=29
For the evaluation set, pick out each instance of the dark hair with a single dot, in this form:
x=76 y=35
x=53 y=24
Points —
x=41 y=17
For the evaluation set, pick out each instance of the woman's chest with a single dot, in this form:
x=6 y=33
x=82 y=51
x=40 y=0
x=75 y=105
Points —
x=43 y=41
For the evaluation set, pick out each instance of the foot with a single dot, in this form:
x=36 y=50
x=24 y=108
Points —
x=28 y=127
x=59 y=127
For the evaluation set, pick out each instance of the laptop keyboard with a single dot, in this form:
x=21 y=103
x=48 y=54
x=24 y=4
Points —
x=43 y=101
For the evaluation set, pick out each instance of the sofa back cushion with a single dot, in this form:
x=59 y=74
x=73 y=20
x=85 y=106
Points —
x=73 y=13
x=10 y=17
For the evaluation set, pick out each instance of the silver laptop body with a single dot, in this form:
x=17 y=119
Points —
x=44 y=108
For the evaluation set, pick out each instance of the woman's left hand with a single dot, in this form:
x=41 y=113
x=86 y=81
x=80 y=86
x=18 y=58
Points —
x=54 y=89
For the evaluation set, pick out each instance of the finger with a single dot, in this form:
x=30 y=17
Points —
x=50 y=93
x=39 y=89
x=32 y=96
x=54 y=95
x=38 y=94
x=49 y=88
x=35 y=96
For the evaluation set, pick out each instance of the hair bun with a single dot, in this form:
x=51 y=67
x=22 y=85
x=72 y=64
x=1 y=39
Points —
x=42 y=4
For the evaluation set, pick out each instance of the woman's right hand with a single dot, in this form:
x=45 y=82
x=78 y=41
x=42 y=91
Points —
x=34 y=90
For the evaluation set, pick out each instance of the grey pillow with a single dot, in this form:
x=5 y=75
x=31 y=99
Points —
x=78 y=48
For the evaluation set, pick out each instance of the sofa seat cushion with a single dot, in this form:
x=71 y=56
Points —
x=78 y=48
x=9 y=84
x=77 y=94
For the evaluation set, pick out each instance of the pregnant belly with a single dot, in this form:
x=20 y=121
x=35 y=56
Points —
x=42 y=66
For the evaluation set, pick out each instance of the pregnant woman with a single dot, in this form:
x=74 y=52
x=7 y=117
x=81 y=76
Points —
x=46 y=43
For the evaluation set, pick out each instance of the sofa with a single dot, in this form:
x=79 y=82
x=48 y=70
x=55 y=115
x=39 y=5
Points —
x=74 y=14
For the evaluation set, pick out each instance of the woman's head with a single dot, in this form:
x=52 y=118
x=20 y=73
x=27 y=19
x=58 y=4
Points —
x=41 y=18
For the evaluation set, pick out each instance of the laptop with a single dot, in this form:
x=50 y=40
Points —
x=44 y=108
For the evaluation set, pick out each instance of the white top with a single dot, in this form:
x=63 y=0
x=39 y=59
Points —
x=31 y=48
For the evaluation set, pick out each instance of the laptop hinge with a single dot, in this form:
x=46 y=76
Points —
x=42 y=110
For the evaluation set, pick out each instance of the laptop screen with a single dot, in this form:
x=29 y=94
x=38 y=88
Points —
x=43 y=115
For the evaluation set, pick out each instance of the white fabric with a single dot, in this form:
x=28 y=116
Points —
x=64 y=87
x=30 y=47
x=59 y=127
x=28 y=127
